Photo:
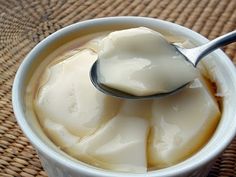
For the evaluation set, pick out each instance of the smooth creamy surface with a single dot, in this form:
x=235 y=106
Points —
x=67 y=96
x=121 y=135
x=181 y=123
x=141 y=62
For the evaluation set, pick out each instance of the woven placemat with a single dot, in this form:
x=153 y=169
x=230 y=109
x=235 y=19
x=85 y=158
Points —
x=23 y=23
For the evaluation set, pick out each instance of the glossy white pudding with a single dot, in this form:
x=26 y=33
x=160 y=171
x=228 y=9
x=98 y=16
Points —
x=120 y=135
x=141 y=62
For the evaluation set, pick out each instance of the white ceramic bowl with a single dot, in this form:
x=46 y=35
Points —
x=59 y=165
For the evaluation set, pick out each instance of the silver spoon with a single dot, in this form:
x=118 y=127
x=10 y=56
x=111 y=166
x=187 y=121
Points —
x=193 y=56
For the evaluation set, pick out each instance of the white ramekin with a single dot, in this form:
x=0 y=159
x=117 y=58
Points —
x=58 y=165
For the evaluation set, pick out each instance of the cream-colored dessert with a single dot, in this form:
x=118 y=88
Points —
x=181 y=123
x=120 y=135
x=66 y=95
x=119 y=145
x=141 y=62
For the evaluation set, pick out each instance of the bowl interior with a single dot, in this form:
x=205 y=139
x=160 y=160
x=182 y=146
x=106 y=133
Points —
x=218 y=64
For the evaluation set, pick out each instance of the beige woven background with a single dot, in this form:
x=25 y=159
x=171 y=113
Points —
x=24 y=23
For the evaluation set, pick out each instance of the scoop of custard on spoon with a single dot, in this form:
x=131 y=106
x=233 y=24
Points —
x=138 y=63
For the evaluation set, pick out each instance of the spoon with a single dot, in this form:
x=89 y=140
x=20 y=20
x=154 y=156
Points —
x=193 y=56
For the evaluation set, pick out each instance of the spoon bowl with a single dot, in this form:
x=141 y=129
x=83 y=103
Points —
x=193 y=56
x=120 y=94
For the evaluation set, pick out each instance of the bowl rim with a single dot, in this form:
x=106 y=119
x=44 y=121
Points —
x=62 y=160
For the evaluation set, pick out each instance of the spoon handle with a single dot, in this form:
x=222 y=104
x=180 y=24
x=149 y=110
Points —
x=198 y=53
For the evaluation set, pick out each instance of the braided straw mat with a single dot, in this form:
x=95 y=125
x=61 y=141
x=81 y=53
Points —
x=24 y=23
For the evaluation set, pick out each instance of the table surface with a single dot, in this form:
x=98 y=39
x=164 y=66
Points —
x=24 y=23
